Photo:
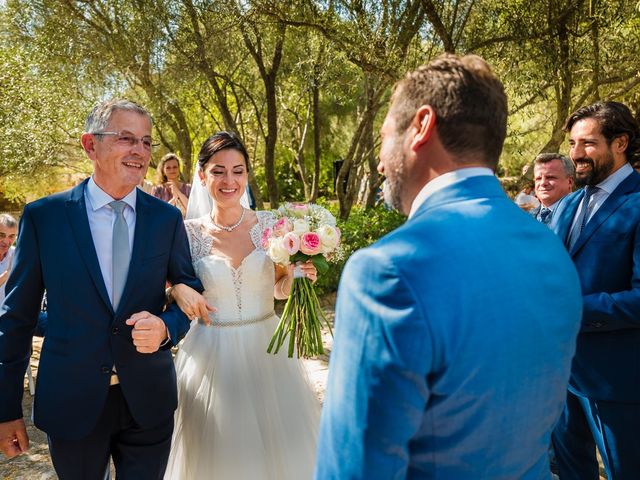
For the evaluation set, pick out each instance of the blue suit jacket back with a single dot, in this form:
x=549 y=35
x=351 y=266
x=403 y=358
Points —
x=453 y=342
x=84 y=336
x=607 y=257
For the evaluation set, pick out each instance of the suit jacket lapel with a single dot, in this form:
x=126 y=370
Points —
x=141 y=238
x=610 y=205
x=77 y=214
x=567 y=214
x=534 y=213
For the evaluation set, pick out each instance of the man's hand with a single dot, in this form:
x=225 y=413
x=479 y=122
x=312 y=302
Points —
x=13 y=438
x=148 y=332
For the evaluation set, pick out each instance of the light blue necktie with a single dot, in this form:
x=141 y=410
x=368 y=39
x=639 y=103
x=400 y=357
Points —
x=585 y=211
x=121 y=253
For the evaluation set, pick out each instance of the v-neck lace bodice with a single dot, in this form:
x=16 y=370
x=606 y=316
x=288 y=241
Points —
x=243 y=294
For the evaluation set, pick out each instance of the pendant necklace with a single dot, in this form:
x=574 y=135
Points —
x=230 y=228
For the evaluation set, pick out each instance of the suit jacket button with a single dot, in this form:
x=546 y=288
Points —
x=105 y=369
x=115 y=330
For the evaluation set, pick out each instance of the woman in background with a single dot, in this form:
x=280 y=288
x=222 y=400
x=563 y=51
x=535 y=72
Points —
x=170 y=188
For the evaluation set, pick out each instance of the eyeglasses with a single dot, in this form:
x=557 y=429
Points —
x=129 y=140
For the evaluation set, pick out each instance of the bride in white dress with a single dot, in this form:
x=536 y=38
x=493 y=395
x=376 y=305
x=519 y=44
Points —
x=242 y=413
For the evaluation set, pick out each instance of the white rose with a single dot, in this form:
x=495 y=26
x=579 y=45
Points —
x=277 y=251
x=329 y=238
x=300 y=226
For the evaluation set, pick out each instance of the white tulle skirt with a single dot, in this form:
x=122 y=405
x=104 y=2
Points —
x=242 y=413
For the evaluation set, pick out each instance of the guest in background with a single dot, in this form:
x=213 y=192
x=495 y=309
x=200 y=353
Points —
x=526 y=199
x=170 y=188
x=8 y=232
x=553 y=176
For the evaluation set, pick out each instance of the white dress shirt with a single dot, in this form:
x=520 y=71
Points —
x=446 y=180
x=606 y=188
x=101 y=219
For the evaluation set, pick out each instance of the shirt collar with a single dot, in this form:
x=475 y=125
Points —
x=553 y=206
x=444 y=181
x=98 y=198
x=610 y=183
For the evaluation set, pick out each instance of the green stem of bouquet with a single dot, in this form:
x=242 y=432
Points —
x=301 y=322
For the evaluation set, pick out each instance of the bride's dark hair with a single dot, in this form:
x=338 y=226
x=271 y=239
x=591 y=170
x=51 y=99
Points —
x=221 y=141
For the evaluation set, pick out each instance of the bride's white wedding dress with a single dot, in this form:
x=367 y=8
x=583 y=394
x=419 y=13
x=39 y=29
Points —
x=242 y=413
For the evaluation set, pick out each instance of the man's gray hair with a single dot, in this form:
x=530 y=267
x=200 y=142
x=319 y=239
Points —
x=567 y=165
x=99 y=117
x=8 y=221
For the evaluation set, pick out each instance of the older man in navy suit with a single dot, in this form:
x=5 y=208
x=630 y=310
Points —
x=103 y=251
x=448 y=362
x=601 y=228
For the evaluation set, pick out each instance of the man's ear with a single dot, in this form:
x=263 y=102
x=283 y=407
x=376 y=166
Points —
x=620 y=143
x=424 y=122
x=88 y=143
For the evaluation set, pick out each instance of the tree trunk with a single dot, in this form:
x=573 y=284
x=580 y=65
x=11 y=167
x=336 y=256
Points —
x=315 y=90
x=563 y=86
x=360 y=145
x=269 y=79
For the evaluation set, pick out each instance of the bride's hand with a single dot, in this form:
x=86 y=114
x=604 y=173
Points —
x=308 y=270
x=191 y=303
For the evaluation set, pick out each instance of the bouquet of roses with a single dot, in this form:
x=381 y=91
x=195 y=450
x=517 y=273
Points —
x=302 y=232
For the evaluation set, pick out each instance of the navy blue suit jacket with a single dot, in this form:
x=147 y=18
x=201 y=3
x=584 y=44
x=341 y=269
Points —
x=607 y=257
x=449 y=361
x=85 y=337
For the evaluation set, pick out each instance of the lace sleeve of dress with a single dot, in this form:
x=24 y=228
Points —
x=197 y=239
x=266 y=219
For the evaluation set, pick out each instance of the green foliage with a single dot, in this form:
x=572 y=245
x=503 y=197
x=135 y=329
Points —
x=190 y=64
x=38 y=114
x=361 y=229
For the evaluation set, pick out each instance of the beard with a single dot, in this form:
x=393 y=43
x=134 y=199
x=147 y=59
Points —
x=394 y=181
x=598 y=172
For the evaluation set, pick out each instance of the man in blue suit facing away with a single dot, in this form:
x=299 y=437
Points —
x=448 y=361
x=103 y=251
x=600 y=225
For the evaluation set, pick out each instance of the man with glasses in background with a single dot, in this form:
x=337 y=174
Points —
x=103 y=251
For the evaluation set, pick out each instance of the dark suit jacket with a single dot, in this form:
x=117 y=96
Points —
x=607 y=257
x=85 y=337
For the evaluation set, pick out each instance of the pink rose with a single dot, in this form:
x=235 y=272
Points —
x=300 y=208
x=265 y=237
x=310 y=243
x=282 y=227
x=291 y=243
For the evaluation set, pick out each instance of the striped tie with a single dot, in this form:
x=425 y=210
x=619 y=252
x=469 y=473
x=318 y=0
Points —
x=545 y=215
x=585 y=211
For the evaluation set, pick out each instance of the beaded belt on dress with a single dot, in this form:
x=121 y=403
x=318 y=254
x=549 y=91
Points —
x=246 y=321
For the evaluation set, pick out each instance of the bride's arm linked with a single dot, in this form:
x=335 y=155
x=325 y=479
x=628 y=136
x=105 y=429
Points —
x=192 y=303
x=285 y=276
